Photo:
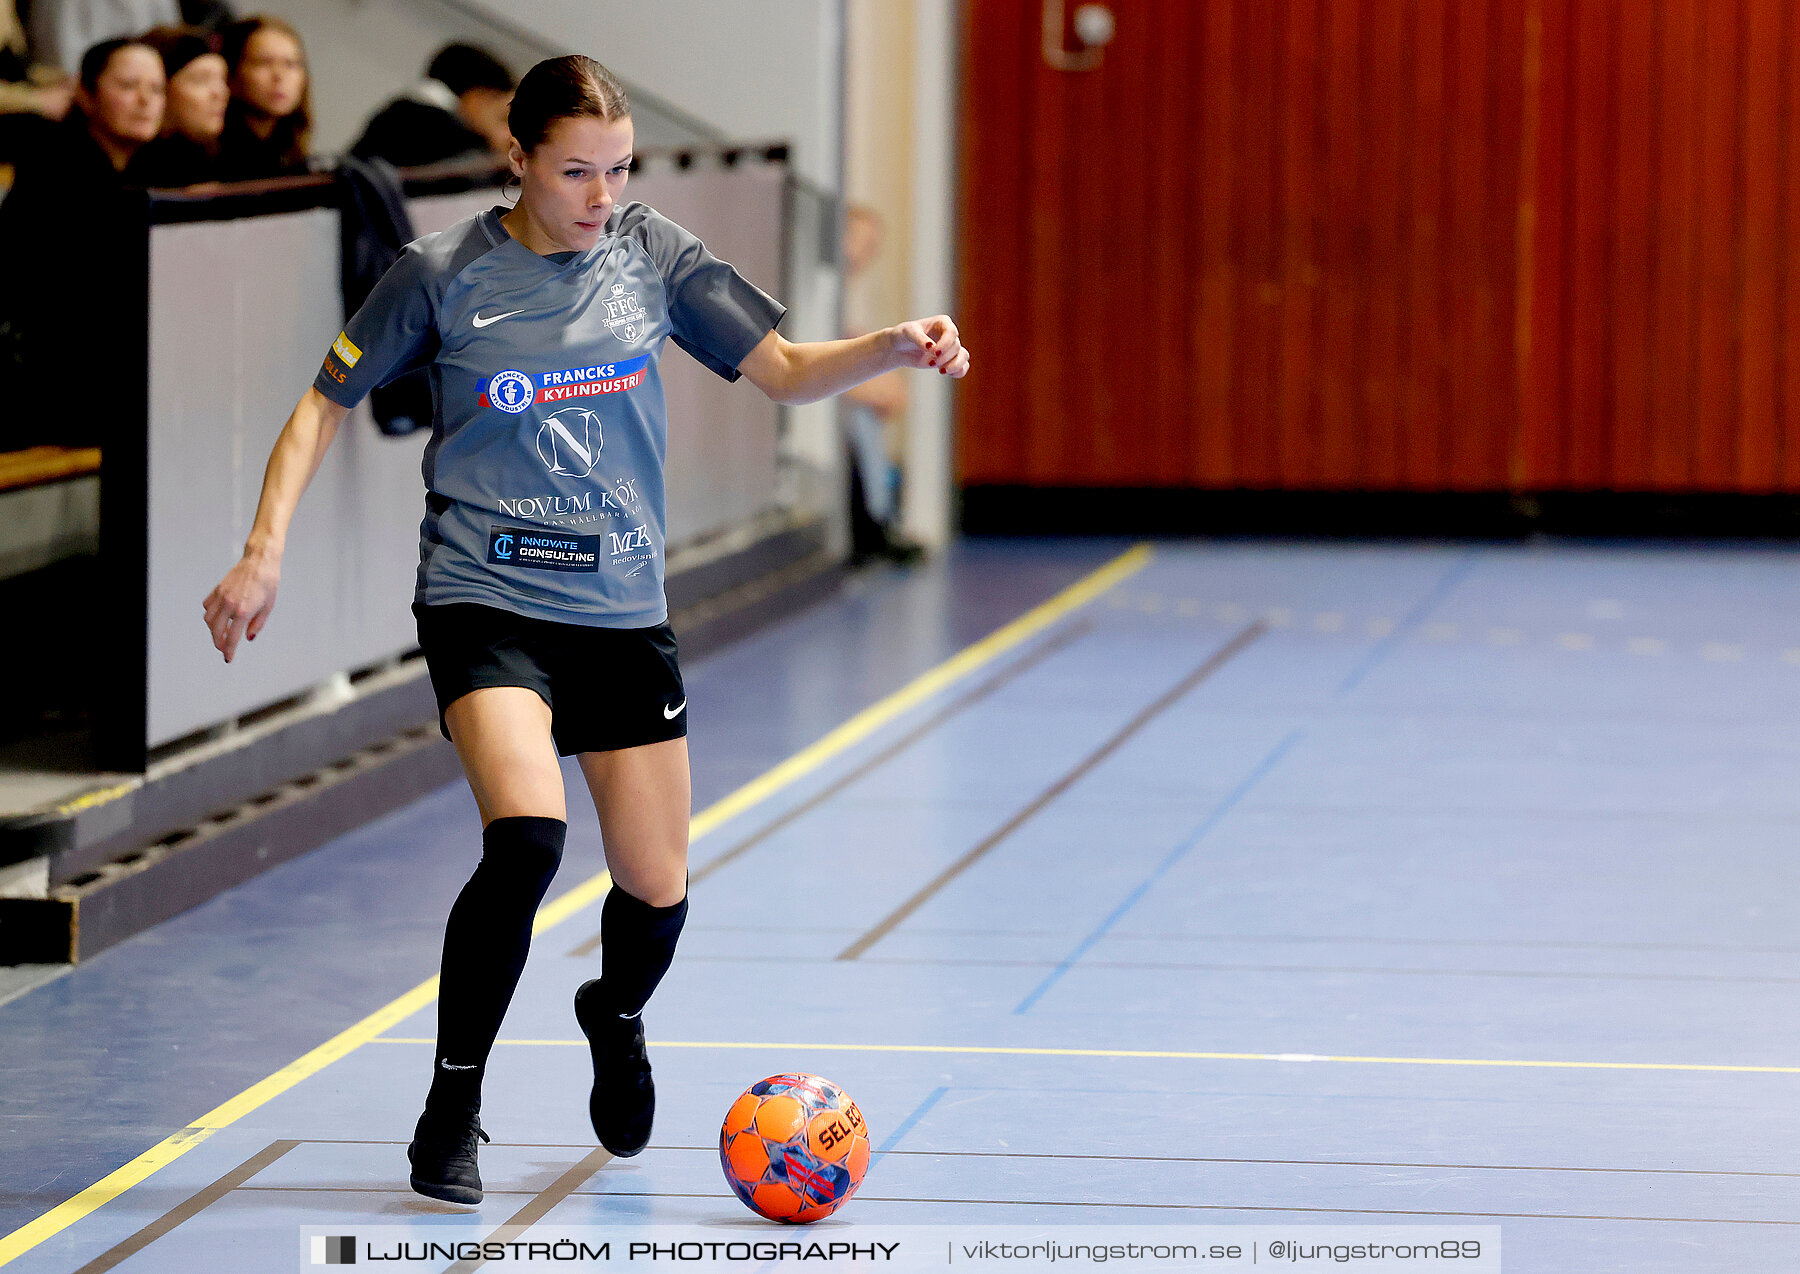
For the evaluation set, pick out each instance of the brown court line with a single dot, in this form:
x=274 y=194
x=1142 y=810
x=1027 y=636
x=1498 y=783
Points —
x=1179 y=966
x=1533 y=944
x=520 y=1221
x=487 y=1192
x=1204 y=1207
x=1140 y=936
x=1322 y=1163
x=1216 y=661
x=1353 y=940
x=568 y=1184
x=188 y=1210
x=1031 y=1154
x=539 y=1207
x=1274 y=1207
x=1057 y=641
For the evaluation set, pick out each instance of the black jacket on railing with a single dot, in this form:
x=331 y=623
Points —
x=375 y=226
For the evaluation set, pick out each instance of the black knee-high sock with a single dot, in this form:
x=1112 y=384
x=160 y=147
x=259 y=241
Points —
x=637 y=942
x=485 y=944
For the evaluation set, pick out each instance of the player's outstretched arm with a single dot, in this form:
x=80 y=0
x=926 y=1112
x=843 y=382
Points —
x=240 y=605
x=804 y=373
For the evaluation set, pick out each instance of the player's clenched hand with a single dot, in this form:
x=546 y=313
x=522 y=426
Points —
x=932 y=343
x=240 y=605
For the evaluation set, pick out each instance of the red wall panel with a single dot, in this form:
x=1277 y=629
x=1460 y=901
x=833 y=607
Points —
x=1385 y=244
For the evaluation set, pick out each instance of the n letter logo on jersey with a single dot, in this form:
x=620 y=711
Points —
x=569 y=442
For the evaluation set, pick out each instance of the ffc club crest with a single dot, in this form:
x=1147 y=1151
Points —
x=624 y=315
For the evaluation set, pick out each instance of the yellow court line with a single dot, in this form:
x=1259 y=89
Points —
x=171 y=1148
x=557 y=910
x=922 y=688
x=871 y=719
x=1148 y=1052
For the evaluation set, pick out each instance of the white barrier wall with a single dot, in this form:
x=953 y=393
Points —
x=241 y=312
x=740 y=71
x=362 y=55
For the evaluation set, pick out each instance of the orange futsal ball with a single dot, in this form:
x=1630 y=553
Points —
x=794 y=1147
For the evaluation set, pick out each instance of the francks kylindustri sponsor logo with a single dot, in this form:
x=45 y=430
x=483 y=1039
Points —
x=510 y=391
x=514 y=391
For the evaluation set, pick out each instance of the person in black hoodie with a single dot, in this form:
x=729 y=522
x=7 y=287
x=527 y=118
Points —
x=118 y=108
x=66 y=203
x=458 y=109
x=268 y=126
x=194 y=117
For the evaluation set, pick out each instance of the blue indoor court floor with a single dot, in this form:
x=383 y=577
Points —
x=1197 y=883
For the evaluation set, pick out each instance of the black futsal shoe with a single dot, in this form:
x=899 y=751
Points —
x=442 y=1155
x=622 y=1104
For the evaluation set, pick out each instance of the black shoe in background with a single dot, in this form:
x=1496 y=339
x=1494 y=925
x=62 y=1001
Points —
x=897 y=549
x=901 y=550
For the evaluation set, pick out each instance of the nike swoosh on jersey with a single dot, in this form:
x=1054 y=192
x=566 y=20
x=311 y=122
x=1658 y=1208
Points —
x=478 y=321
x=669 y=714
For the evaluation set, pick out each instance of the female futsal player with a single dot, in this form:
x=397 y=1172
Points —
x=540 y=589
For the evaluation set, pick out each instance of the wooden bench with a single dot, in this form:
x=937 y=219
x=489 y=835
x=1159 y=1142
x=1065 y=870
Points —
x=49 y=506
x=37 y=465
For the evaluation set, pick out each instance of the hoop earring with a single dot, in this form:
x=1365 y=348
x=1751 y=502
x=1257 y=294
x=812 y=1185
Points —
x=512 y=183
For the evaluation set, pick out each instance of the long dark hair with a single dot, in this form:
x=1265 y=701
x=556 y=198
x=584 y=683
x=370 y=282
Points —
x=564 y=88
x=294 y=130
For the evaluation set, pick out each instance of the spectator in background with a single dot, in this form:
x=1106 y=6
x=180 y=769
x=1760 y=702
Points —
x=60 y=219
x=268 y=125
x=208 y=17
x=458 y=109
x=187 y=152
x=61 y=30
x=26 y=85
x=118 y=108
x=871 y=412
x=69 y=172
x=120 y=101
x=14 y=51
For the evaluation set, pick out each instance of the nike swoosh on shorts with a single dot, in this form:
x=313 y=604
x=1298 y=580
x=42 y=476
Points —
x=669 y=714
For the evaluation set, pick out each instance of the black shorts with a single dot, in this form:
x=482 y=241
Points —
x=608 y=688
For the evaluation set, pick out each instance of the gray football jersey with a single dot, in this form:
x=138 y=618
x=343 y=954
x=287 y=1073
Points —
x=544 y=473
